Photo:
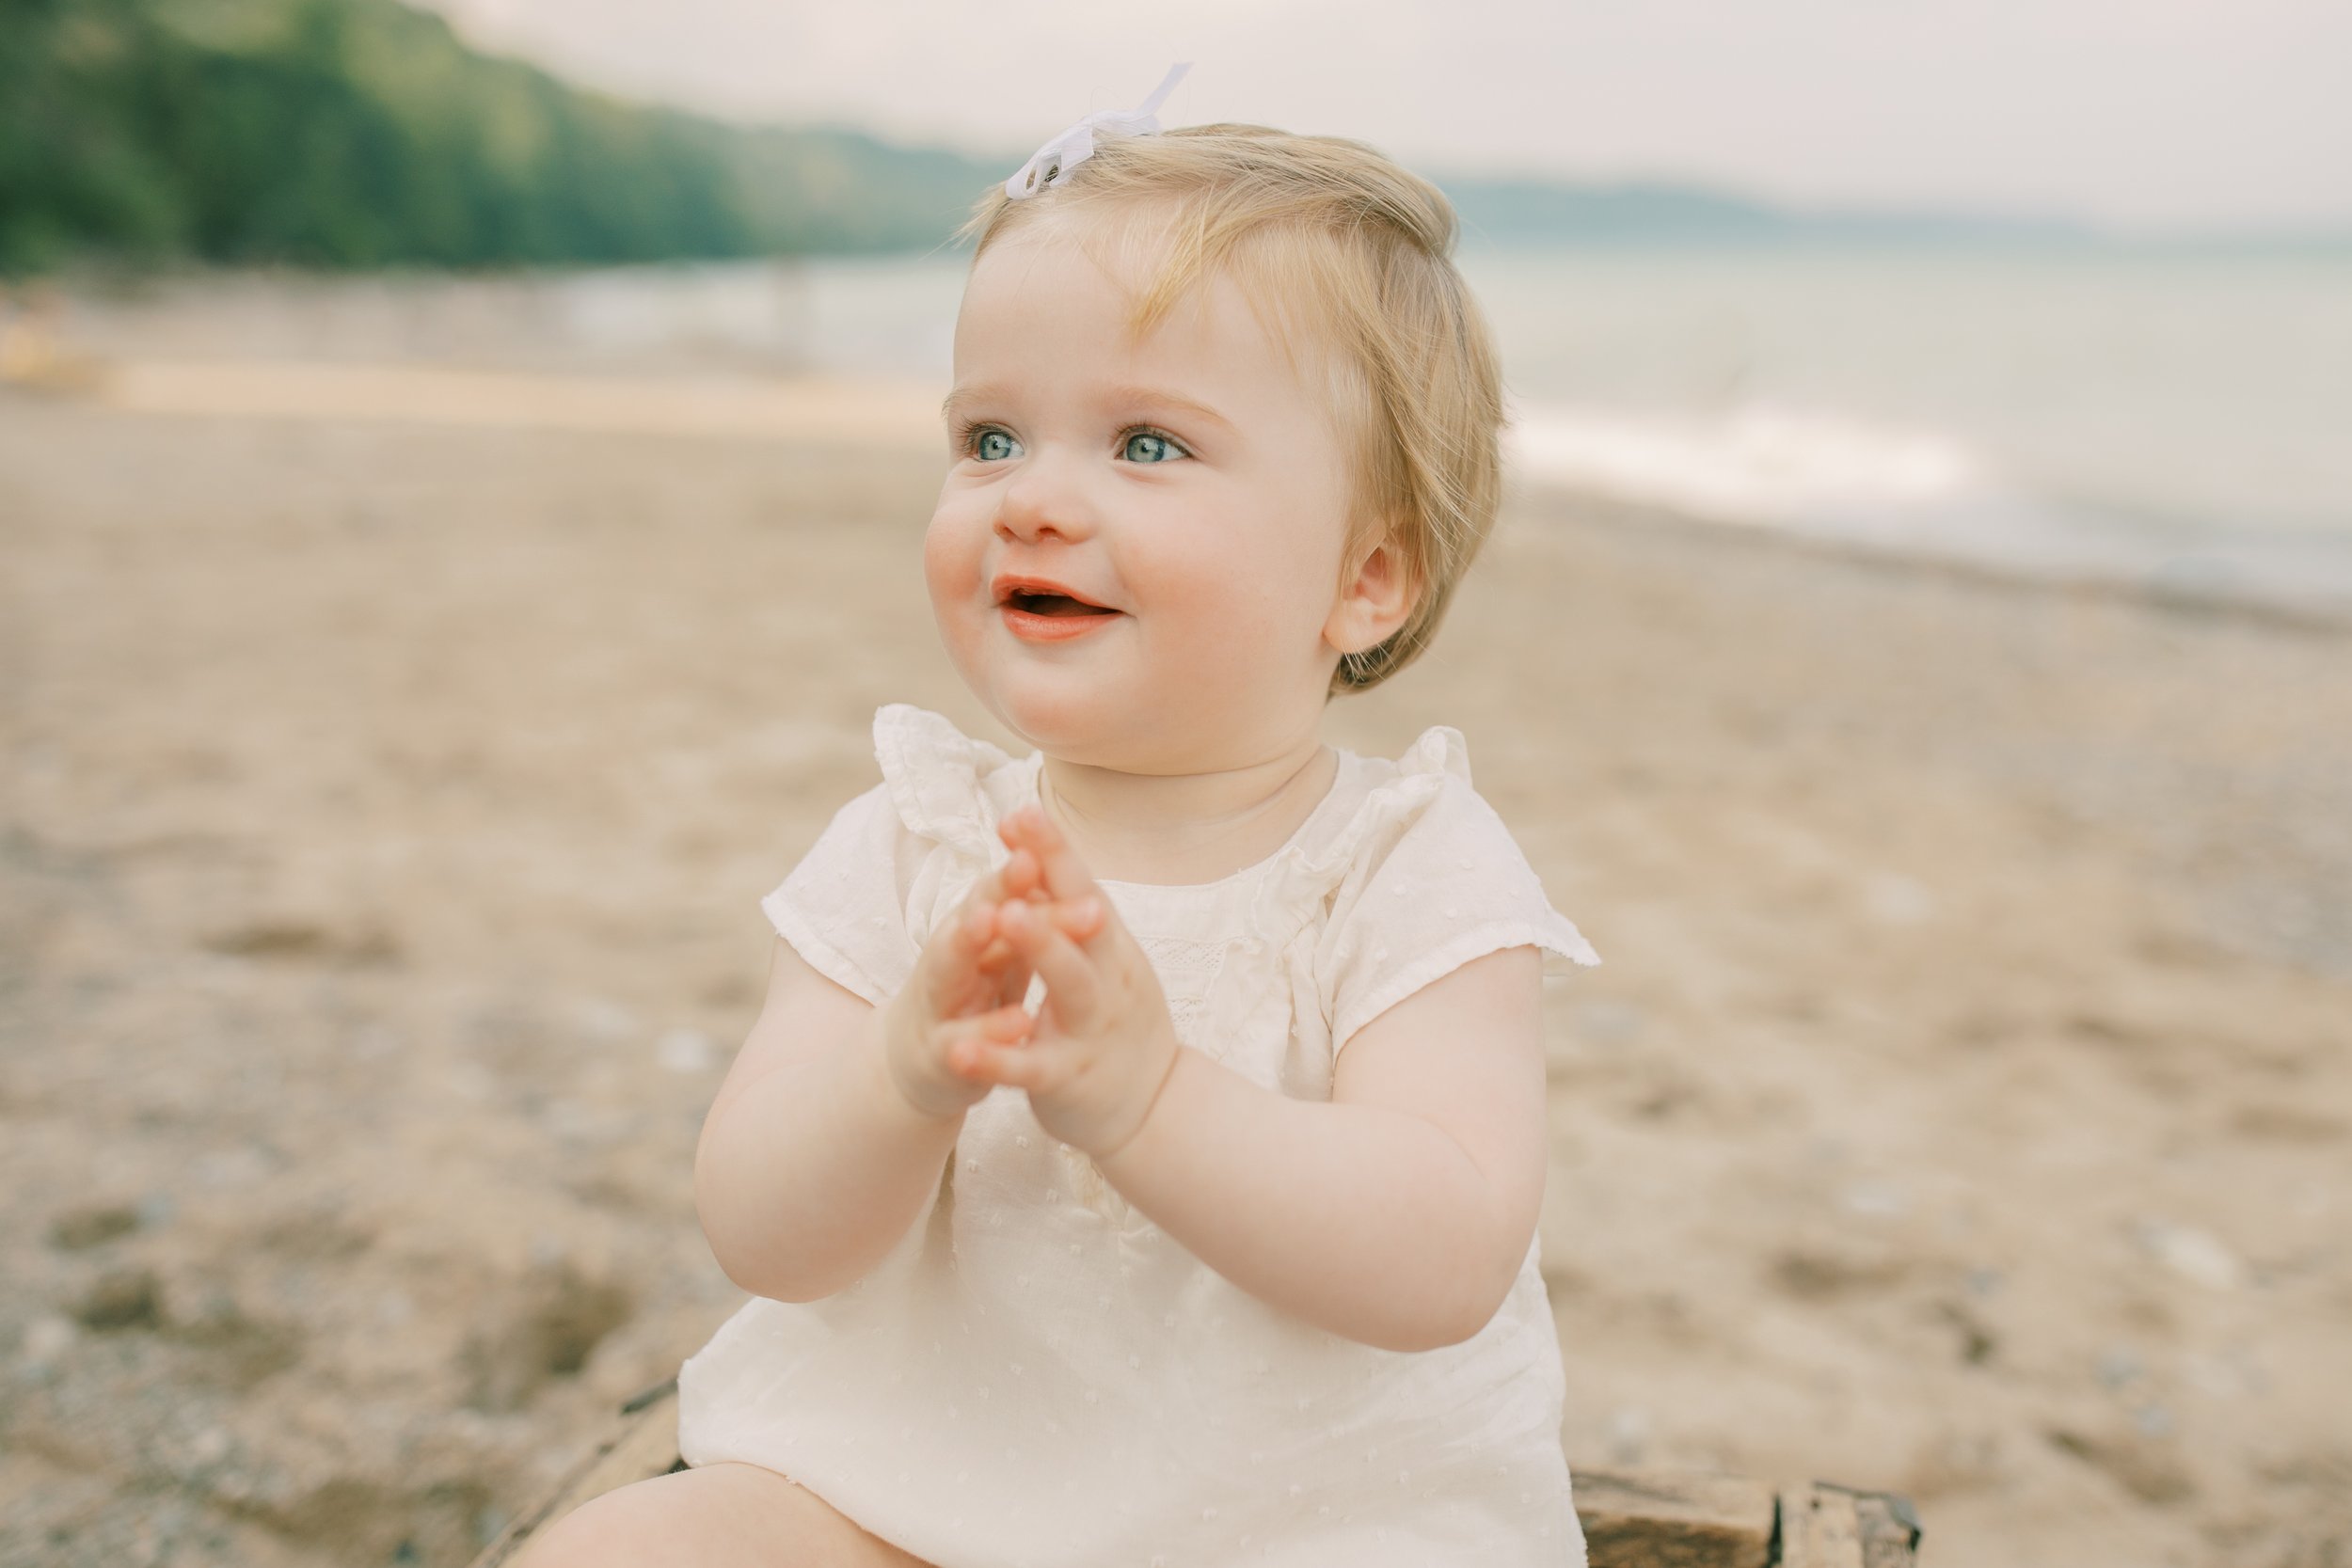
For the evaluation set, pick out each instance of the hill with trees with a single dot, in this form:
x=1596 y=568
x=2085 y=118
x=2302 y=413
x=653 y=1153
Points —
x=365 y=134
x=359 y=134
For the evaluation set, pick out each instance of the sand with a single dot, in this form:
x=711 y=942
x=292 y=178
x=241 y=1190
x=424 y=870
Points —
x=1963 y=1107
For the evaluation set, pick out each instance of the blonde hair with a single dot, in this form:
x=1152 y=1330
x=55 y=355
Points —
x=1329 y=235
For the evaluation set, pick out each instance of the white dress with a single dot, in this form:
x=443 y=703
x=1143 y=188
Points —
x=1038 y=1377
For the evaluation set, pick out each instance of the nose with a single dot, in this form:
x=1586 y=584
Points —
x=1046 y=499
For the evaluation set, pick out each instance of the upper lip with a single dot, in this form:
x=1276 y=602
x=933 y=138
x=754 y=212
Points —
x=1009 y=584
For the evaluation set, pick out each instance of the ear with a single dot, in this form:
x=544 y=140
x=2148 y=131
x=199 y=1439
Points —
x=1375 y=599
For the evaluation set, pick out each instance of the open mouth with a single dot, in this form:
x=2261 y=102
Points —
x=1057 y=605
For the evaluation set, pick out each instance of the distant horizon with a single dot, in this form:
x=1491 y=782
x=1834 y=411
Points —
x=297 y=143
x=2164 y=123
x=2050 y=225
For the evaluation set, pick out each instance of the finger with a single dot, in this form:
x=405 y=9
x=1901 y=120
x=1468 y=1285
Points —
x=975 y=929
x=1015 y=1066
x=1065 y=875
x=1014 y=878
x=1081 y=920
x=1004 y=967
x=951 y=960
x=980 y=969
x=1008 y=965
x=989 y=950
x=1072 y=987
x=991 y=1049
x=1008 y=1024
x=1018 y=878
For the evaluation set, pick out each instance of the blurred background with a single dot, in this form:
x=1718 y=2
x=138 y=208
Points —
x=461 y=476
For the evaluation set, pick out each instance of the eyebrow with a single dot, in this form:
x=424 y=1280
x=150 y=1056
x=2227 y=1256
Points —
x=962 y=395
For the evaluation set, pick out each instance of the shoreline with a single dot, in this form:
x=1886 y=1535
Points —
x=899 y=413
x=1564 y=504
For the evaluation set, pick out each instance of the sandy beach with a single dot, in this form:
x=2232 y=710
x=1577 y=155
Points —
x=1964 y=1108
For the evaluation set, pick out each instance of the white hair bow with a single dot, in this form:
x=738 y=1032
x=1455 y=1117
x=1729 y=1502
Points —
x=1076 y=144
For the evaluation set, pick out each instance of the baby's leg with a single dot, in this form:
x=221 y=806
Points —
x=724 y=1516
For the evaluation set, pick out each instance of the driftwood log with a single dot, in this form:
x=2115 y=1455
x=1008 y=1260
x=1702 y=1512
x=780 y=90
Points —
x=1632 y=1518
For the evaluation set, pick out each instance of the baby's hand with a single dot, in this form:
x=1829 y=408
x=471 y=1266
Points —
x=969 y=985
x=1103 y=1043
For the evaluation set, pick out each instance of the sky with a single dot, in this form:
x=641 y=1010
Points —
x=2144 y=115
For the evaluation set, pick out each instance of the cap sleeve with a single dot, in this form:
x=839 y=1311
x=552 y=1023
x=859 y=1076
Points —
x=841 y=907
x=950 y=787
x=1438 y=882
x=863 y=901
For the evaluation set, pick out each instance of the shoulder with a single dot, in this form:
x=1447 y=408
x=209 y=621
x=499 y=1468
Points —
x=943 y=784
x=1436 y=880
x=1424 y=829
x=860 y=902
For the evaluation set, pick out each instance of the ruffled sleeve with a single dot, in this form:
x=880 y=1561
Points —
x=840 y=908
x=863 y=901
x=1434 y=881
x=945 y=783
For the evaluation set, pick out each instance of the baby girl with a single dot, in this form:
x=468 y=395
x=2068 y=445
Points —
x=1138 y=1157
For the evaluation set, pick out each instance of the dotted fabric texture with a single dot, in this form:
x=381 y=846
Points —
x=1037 y=1375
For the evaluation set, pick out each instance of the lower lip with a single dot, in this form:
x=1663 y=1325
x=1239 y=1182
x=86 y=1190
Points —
x=1053 y=628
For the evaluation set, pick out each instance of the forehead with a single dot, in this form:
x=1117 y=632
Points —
x=1069 y=284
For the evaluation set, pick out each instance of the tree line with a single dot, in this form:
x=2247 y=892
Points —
x=349 y=133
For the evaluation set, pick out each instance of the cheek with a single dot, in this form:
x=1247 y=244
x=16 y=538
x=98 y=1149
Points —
x=953 y=550
x=1182 y=585
x=1233 y=607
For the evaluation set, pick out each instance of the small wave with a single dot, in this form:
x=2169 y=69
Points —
x=1759 y=464
x=1835 y=478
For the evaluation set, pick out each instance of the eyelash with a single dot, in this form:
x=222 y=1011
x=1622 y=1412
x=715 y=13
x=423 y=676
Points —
x=969 y=431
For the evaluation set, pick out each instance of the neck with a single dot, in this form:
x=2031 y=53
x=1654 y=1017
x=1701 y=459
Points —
x=1183 y=828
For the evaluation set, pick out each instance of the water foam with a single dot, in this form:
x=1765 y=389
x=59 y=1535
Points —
x=1833 y=477
x=1758 y=464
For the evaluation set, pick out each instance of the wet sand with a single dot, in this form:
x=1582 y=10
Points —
x=1961 y=1108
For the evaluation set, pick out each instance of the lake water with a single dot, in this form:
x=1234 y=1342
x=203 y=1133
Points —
x=2180 y=421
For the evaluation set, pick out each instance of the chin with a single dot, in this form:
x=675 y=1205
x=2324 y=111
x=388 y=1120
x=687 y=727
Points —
x=1067 y=712
x=1077 y=728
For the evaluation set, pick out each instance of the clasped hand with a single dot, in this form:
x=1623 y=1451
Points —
x=1093 y=1058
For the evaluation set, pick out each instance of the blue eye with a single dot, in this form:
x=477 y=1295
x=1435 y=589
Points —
x=986 y=453
x=1161 y=452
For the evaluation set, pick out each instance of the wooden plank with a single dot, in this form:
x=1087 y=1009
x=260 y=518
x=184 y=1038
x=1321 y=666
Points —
x=1673 y=1519
x=642 y=1445
x=1632 y=1518
x=1890 y=1528
x=1819 y=1528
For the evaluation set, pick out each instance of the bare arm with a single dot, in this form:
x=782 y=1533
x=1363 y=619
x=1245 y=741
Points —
x=812 y=1166
x=1398 y=1213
